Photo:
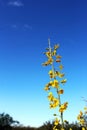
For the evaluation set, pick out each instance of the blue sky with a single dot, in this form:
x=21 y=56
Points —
x=25 y=26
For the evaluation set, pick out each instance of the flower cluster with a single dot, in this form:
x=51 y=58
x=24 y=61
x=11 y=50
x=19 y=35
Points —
x=54 y=102
x=63 y=107
x=56 y=81
x=81 y=117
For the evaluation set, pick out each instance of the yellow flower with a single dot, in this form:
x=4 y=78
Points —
x=63 y=81
x=50 y=97
x=45 y=63
x=54 y=128
x=54 y=101
x=50 y=61
x=61 y=91
x=50 y=93
x=58 y=57
x=52 y=105
x=56 y=46
x=70 y=128
x=60 y=75
x=54 y=53
x=81 y=118
x=78 y=117
x=51 y=74
x=66 y=104
x=48 y=54
x=50 y=83
x=61 y=67
x=56 y=122
x=63 y=107
x=81 y=113
x=47 y=87
x=83 y=128
x=82 y=121
x=55 y=83
x=62 y=128
x=85 y=108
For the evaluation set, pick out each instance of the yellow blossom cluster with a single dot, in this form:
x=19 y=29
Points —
x=54 y=102
x=85 y=109
x=63 y=107
x=50 y=53
x=81 y=117
x=55 y=74
x=56 y=122
x=48 y=62
x=83 y=128
x=53 y=84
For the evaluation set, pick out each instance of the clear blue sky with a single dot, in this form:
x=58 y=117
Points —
x=25 y=26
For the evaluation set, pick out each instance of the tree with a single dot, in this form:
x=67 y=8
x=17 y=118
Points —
x=6 y=119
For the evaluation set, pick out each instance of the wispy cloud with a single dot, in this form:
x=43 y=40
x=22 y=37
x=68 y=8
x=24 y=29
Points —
x=13 y=26
x=16 y=3
x=26 y=26
x=21 y=27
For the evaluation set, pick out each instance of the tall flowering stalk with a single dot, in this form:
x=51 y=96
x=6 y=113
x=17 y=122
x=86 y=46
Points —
x=56 y=80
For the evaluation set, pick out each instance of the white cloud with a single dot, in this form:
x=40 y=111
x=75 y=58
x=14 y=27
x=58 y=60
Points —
x=26 y=26
x=21 y=26
x=16 y=3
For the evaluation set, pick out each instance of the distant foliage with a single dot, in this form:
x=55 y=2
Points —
x=49 y=126
x=6 y=119
x=7 y=123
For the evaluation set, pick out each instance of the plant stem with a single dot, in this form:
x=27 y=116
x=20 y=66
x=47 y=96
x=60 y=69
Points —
x=62 y=120
x=61 y=114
